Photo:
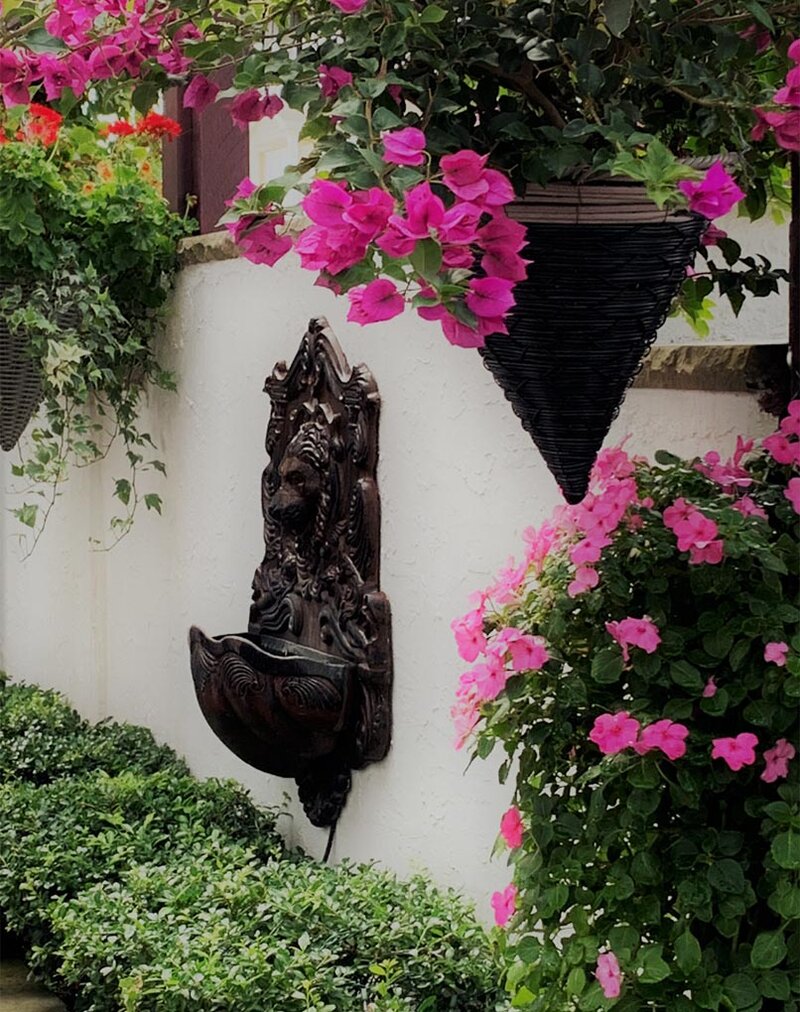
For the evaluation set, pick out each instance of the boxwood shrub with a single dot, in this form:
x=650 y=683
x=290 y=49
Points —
x=145 y=890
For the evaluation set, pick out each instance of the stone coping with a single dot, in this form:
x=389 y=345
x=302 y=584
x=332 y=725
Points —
x=720 y=367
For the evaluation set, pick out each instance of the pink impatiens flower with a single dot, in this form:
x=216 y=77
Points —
x=504 y=905
x=585 y=579
x=775 y=653
x=710 y=689
x=714 y=195
x=470 y=638
x=777 y=761
x=511 y=827
x=737 y=752
x=635 y=632
x=612 y=732
x=665 y=735
x=527 y=653
x=404 y=147
x=608 y=974
x=792 y=493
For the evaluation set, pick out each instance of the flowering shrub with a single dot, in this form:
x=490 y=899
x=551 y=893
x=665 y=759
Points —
x=655 y=831
x=87 y=252
x=507 y=91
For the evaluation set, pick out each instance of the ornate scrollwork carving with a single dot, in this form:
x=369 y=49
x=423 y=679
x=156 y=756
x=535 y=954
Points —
x=306 y=692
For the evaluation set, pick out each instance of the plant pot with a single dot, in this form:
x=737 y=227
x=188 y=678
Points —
x=606 y=265
x=20 y=385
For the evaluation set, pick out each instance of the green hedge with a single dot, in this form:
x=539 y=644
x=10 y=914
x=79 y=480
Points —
x=136 y=887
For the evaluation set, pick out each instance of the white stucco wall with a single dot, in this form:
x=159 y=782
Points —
x=459 y=482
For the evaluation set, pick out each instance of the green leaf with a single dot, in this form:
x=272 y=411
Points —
x=122 y=490
x=153 y=502
x=726 y=876
x=432 y=15
x=687 y=952
x=653 y=966
x=717 y=644
x=785 y=850
x=774 y=984
x=576 y=981
x=759 y=13
x=617 y=14
x=687 y=676
x=769 y=949
x=741 y=990
x=26 y=514
x=607 y=666
x=427 y=259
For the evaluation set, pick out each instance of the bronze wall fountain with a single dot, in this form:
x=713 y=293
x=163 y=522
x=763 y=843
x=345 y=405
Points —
x=306 y=691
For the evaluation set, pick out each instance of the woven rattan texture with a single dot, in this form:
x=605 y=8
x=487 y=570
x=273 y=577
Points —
x=20 y=386
x=585 y=317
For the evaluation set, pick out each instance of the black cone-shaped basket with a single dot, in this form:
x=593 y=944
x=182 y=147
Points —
x=20 y=386
x=606 y=266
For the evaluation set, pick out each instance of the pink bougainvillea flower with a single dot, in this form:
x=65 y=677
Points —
x=404 y=147
x=490 y=297
x=665 y=735
x=460 y=334
x=608 y=974
x=424 y=213
x=501 y=234
x=794 y=51
x=775 y=653
x=370 y=211
x=350 y=6
x=326 y=202
x=251 y=106
x=464 y=174
x=10 y=66
x=792 y=493
x=460 y=224
x=499 y=190
x=469 y=635
x=585 y=579
x=714 y=195
x=712 y=236
x=396 y=243
x=262 y=244
x=504 y=905
x=759 y=36
x=786 y=127
x=635 y=632
x=377 y=301
x=174 y=61
x=790 y=93
x=333 y=79
x=777 y=761
x=511 y=827
x=612 y=732
x=505 y=264
x=200 y=93
x=737 y=752
x=710 y=689
x=245 y=189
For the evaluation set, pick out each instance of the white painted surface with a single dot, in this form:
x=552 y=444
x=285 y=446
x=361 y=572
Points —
x=459 y=482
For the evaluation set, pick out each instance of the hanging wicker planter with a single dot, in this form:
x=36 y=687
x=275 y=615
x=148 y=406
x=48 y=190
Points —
x=20 y=385
x=606 y=265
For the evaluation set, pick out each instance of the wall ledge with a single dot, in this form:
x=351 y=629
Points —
x=723 y=367
x=206 y=248
x=732 y=368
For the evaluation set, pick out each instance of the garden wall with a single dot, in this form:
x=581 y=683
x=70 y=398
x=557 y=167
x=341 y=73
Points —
x=459 y=482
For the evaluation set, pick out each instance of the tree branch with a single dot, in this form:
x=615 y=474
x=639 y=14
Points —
x=525 y=83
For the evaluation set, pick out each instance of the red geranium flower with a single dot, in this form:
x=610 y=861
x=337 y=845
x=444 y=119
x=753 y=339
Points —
x=156 y=125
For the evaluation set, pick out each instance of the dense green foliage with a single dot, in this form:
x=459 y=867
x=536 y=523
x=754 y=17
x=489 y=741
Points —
x=685 y=867
x=136 y=887
x=88 y=250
